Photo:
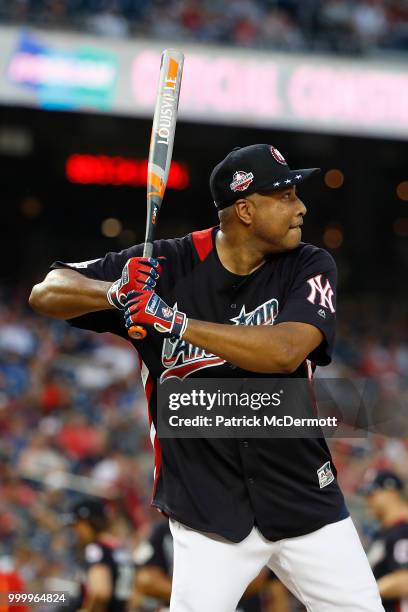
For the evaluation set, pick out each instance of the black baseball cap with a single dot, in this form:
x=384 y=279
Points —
x=259 y=167
x=90 y=510
x=380 y=481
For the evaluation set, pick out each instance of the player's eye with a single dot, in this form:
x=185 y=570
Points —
x=289 y=196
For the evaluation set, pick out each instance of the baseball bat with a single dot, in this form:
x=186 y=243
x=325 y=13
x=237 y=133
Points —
x=161 y=149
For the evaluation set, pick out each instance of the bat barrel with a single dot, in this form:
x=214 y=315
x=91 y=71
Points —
x=162 y=138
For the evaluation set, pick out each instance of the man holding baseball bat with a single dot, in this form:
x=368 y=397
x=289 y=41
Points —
x=244 y=299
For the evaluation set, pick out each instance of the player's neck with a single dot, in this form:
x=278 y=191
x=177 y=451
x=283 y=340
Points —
x=237 y=254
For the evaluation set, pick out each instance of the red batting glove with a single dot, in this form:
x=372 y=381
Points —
x=138 y=274
x=148 y=310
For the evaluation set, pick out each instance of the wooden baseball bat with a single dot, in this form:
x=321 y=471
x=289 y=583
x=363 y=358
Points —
x=161 y=149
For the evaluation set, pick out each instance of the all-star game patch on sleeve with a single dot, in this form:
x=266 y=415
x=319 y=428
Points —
x=107 y=268
x=312 y=298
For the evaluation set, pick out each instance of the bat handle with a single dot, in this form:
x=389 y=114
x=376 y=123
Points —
x=148 y=247
x=137 y=332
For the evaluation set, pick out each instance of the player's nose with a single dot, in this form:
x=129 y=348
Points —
x=302 y=210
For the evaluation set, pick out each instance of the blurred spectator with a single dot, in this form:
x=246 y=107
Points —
x=110 y=21
x=337 y=26
x=279 y=31
x=40 y=459
x=397 y=27
x=370 y=22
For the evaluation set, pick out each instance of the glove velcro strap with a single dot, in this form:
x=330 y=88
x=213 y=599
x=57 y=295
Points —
x=179 y=324
x=112 y=295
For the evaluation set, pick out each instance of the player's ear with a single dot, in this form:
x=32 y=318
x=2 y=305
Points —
x=244 y=209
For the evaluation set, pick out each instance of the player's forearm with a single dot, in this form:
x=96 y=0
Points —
x=394 y=585
x=256 y=348
x=65 y=294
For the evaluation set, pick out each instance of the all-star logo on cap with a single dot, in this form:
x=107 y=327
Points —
x=277 y=156
x=241 y=180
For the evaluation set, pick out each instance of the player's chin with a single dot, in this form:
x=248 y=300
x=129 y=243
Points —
x=293 y=238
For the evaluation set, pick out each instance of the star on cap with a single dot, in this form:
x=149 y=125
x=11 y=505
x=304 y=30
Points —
x=276 y=184
x=288 y=181
x=298 y=176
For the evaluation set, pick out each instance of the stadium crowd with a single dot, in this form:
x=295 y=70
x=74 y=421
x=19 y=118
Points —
x=72 y=423
x=73 y=420
x=344 y=26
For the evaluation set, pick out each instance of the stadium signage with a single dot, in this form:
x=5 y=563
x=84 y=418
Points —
x=304 y=93
x=220 y=85
x=82 y=76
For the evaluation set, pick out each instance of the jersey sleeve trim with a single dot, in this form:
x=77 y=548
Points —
x=203 y=242
x=81 y=269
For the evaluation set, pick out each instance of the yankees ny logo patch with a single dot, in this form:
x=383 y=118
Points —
x=324 y=295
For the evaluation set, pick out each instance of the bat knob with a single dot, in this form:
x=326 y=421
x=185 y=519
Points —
x=136 y=332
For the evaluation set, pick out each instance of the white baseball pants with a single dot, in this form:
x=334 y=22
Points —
x=327 y=570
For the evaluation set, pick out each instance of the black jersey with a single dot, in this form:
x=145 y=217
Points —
x=119 y=562
x=389 y=553
x=158 y=552
x=228 y=485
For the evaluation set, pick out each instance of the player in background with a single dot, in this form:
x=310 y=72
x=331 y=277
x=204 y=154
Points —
x=106 y=568
x=388 y=553
x=152 y=586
